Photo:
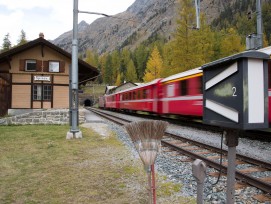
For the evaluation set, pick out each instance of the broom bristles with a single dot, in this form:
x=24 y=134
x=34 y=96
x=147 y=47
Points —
x=144 y=130
x=146 y=136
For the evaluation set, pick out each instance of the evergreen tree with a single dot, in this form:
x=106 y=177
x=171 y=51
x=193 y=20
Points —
x=231 y=43
x=6 y=43
x=185 y=44
x=115 y=63
x=92 y=58
x=154 y=66
x=118 y=80
x=125 y=58
x=108 y=72
x=204 y=44
x=101 y=67
x=131 y=72
x=22 y=40
x=168 y=68
x=141 y=56
x=266 y=20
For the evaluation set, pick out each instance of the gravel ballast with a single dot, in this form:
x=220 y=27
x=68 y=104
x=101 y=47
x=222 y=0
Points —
x=181 y=172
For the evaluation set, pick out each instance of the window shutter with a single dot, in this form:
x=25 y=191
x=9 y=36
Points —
x=22 y=65
x=39 y=66
x=46 y=66
x=62 y=66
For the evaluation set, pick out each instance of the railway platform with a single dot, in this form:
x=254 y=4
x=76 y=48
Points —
x=91 y=117
x=96 y=123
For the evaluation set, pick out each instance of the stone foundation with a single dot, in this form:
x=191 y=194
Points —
x=45 y=117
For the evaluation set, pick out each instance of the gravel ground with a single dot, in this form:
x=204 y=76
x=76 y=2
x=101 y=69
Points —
x=181 y=172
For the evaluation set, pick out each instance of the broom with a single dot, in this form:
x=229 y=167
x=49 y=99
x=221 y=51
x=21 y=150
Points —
x=146 y=135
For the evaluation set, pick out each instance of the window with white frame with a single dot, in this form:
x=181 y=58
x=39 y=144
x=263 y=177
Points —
x=42 y=92
x=170 y=90
x=53 y=66
x=47 y=92
x=30 y=65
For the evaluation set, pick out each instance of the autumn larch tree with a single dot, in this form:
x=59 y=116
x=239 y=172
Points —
x=154 y=66
x=131 y=72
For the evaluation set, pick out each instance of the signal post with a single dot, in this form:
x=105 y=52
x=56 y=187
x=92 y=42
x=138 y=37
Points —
x=235 y=97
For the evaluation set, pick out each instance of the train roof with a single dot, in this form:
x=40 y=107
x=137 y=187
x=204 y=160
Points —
x=183 y=74
x=140 y=86
x=266 y=50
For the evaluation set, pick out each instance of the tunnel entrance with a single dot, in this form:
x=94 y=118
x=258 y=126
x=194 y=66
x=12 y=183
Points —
x=87 y=102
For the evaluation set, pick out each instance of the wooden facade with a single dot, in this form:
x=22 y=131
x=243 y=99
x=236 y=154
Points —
x=36 y=76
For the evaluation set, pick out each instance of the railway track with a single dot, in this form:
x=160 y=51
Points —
x=246 y=167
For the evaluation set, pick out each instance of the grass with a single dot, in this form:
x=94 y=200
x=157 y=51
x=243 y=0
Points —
x=38 y=165
x=95 y=90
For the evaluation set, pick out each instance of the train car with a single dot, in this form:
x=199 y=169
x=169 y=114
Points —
x=101 y=102
x=267 y=50
x=140 y=98
x=111 y=101
x=182 y=94
x=269 y=91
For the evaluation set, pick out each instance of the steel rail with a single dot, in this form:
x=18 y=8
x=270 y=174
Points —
x=250 y=160
x=266 y=187
x=243 y=177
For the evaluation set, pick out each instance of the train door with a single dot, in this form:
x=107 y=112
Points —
x=160 y=97
x=117 y=101
x=155 y=99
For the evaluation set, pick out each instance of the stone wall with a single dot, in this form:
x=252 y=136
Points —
x=45 y=117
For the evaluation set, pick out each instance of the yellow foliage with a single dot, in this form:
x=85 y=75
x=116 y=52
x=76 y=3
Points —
x=154 y=66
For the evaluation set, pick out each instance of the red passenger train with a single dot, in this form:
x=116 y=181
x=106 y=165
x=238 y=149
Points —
x=180 y=94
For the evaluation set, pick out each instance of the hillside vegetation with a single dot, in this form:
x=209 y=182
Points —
x=186 y=48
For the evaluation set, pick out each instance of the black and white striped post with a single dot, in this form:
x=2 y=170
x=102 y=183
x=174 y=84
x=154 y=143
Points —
x=235 y=97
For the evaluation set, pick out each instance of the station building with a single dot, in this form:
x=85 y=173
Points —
x=36 y=75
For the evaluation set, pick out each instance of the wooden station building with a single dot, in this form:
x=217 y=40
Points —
x=35 y=75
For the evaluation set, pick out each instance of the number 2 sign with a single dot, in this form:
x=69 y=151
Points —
x=235 y=93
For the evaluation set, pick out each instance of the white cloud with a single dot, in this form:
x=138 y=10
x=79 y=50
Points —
x=52 y=17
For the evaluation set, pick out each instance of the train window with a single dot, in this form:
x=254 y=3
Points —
x=269 y=74
x=144 y=93
x=200 y=85
x=183 y=89
x=130 y=95
x=134 y=95
x=138 y=94
x=170 y=90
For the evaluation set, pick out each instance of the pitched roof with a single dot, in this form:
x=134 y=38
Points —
x=85 y=70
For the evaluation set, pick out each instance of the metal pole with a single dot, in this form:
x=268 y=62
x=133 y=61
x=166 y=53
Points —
x=259 y=24
x=231 y=141
x=74 y=130
x=74 y=73
x=199 y=172
x=231 y=175
x=197 y=5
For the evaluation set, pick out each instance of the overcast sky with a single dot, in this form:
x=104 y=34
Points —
x=52 y=17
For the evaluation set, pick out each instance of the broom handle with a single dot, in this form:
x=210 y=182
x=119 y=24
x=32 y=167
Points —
x=150 y=186
x=153 y=184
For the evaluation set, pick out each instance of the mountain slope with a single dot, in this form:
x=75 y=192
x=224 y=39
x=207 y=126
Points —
x=142 y=20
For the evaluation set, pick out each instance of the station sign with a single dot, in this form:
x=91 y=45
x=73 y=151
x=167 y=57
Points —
x=235 y=91
x=42 y=78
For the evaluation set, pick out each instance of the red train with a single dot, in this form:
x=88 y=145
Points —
x=180 y=94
